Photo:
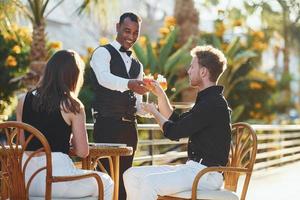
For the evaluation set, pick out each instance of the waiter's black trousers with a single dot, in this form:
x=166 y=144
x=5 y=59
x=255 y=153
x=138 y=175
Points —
x=109 y=130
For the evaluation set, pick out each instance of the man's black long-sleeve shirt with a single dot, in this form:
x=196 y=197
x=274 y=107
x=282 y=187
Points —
x=207 y=125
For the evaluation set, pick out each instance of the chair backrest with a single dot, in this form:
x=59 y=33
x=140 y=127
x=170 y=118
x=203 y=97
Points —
x=13 y=166
x=242 y=154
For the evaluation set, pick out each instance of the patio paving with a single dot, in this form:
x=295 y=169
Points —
x=279 y=183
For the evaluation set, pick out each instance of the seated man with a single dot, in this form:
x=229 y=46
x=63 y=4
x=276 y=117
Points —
x=207 y=125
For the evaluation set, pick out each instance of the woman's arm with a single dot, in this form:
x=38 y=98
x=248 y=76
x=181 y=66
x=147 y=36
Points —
x=79 y=139
x=19 y=113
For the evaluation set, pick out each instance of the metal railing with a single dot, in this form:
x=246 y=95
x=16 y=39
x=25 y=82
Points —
x=277 y=144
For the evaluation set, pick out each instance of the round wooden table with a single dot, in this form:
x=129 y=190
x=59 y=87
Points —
x=113 y=154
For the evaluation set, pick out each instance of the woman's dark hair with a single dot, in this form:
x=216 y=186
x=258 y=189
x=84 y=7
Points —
x=61 y=82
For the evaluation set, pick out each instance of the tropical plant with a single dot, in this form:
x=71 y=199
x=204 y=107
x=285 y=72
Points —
x=35 y=11
x=100 y=10
x=285 y=22
x=166 y=57
x=14 y=53
x=248 y=90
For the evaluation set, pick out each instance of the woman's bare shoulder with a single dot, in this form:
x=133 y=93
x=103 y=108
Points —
x=80 y=103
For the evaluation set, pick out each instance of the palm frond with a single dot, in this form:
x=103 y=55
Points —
x=151 y=57
x=167 y=48
x=180 y=85
x=233 y=47
x=52 y=9
x=140 y=54
x=174 y=59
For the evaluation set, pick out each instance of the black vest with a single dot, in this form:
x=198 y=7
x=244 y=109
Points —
x=112 y=103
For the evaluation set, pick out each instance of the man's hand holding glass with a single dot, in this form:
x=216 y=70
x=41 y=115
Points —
x=156 y=87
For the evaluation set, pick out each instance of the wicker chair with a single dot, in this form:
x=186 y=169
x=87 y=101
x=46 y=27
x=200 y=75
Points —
x=12 y=175
x=241 y=160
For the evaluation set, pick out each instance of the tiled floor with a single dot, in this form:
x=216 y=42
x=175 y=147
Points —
x=282 y=183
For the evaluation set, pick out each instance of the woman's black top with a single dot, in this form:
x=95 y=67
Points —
x=52 y=125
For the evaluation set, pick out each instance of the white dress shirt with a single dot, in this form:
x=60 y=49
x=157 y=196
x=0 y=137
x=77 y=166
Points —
x=100 y=63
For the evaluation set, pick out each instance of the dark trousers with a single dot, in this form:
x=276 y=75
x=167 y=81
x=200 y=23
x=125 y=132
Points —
x=108 y=130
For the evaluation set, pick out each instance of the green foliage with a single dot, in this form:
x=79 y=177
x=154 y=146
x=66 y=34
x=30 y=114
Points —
x=14 y=52
x=281 y=24
x=165 y=57
x=86 y=94
x=247 y=89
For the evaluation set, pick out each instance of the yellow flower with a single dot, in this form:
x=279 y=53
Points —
x=271 y=82
x=220 y=29
x=143 y=41
x=162 y=42
x=255 y=86
x=170 y=21
x=90 y=50
x=25 y=33
x=259 y=34
x=259 y=46
x=11 y=61
x=264 y=46
x=257 y=105
x=237 y=22
x=14 y=27
x=257 y=115
x=55 y=45
x=224 y=46
x=103 y=41
x=16 y=49
x=9 y=37
x=164 y=31
x=154 y=45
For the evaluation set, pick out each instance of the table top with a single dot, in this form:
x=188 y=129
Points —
x=94 y=150
x=111 y=151
x=102 y=150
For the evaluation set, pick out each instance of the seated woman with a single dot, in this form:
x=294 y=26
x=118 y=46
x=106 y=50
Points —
x=54 y=109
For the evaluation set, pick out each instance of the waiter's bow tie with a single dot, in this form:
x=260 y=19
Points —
x=122 y=49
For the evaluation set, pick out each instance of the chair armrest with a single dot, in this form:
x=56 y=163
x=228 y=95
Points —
x=213 y=169
x=78 y=177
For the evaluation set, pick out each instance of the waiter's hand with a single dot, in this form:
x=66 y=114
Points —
x=137 y=86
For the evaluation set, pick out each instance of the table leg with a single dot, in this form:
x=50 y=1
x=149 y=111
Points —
x=116 y=163
x=86 y=163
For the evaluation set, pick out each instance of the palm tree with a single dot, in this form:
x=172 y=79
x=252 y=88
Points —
x=102 y=10
x=187 y=18
x=35 y=11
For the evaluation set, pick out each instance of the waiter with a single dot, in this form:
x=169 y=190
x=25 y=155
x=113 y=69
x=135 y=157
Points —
x=118 y=88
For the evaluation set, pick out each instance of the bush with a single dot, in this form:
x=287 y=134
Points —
x=14 y=62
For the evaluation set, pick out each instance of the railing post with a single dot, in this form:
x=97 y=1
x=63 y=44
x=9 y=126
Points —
x=151 y=146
